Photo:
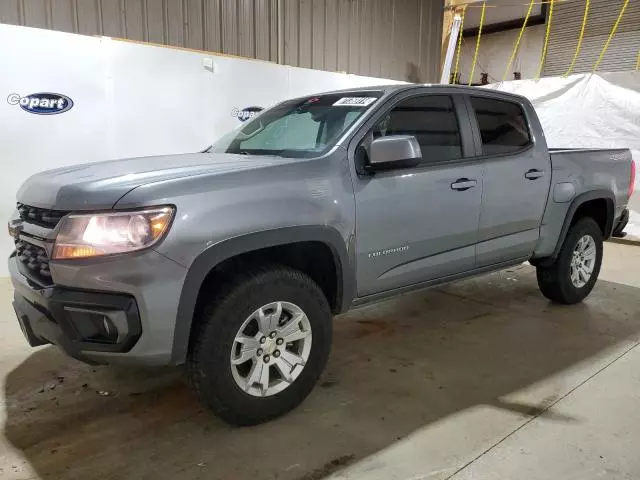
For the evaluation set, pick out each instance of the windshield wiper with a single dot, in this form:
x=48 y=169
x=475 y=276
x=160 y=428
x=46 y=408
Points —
x=258 y=152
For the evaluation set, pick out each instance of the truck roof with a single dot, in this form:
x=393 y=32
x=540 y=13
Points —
x=388 y=89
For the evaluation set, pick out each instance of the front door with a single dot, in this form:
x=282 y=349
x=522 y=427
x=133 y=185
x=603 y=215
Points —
x=421 y=223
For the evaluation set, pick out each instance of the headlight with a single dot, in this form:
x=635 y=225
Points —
x=92 y=235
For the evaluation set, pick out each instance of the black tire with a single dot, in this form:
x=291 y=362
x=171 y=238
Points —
x=555 y=280
x=209 y=361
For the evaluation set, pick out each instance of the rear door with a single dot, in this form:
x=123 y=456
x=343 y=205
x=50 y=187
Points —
x=421 y=223
x=516 y=182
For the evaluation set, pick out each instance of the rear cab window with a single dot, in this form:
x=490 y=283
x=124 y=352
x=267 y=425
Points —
x=503 y=125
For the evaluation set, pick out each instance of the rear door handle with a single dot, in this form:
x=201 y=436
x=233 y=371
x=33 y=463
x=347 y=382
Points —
x=534 y=174
x=463 y=184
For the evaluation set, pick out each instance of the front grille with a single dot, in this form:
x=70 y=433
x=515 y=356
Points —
x=35 y=260
x=40 y=216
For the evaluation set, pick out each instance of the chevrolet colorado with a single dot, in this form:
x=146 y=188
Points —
x=232 y=261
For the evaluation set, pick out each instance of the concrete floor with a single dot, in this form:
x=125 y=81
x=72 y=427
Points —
x=482 y=379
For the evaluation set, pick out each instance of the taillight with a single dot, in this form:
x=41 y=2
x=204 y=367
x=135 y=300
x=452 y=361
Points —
x=632 y=184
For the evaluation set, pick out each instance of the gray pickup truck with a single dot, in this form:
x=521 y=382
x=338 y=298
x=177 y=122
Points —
x=232 y=261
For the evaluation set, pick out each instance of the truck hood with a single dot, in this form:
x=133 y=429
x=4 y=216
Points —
x=100 y=185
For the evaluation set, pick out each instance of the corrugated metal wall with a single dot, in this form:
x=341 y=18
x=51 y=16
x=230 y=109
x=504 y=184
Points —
x=397 y=39
x=565 y=30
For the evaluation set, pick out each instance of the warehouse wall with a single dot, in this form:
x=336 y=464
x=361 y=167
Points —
x=397 y=39
x=566 y=23
x=495 y=51
x=602 y=15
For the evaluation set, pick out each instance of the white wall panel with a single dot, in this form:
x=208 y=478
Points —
x=31 y=143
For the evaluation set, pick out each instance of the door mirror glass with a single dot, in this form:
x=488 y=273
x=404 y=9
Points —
x=394 y=151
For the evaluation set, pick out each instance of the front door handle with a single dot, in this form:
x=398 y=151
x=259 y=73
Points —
x=463 y=184
x=533 y=174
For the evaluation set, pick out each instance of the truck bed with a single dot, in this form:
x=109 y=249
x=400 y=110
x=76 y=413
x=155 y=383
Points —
x=583 y=171
x=587 y=150
x=590 y=169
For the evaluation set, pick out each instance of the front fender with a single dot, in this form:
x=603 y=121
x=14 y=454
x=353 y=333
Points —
x=219 y=252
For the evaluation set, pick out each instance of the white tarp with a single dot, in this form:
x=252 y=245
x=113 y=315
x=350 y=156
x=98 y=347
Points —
x=588 y=111
x=129 y=100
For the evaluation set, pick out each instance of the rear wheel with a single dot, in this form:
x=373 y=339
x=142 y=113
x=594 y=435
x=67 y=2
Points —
x=574 y=273
x=261 y=346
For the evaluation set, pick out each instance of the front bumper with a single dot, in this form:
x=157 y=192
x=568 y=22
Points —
x=137 y=293
x=77 y=321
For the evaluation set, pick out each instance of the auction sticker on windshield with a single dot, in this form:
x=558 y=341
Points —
x=355 y=102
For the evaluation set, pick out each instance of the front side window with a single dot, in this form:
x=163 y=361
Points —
x=431 y=119
x=502 y=124
x=299 y=128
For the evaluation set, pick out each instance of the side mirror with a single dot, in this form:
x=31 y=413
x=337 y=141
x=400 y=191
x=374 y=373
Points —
x=394 y=151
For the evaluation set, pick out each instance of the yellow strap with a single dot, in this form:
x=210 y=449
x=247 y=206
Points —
x=475 y=55
x=455 y=71
x=584 y=24
x=546 y=41
x=638 y=62
x=613 y=32
x=515 y=48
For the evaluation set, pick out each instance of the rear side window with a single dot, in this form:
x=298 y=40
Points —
x=502 y=124
x=431 y=119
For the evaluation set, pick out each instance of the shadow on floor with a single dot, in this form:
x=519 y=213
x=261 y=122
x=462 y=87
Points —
x=396 y=367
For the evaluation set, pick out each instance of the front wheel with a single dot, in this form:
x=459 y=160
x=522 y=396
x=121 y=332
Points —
x=574 y=273
x=260 y=346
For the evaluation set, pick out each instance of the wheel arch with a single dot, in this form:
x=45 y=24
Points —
x=578 y=209
x=229 y=249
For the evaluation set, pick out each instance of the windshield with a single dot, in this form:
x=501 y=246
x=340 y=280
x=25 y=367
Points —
x=299 y=128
